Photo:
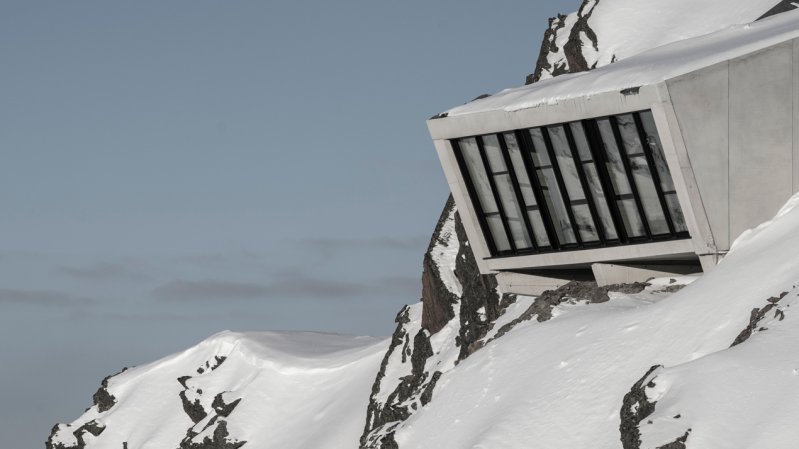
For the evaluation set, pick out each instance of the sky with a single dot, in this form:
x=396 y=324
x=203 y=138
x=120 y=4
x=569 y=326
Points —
x=169 y=170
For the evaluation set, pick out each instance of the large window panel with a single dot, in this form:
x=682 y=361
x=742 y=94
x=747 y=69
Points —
x=478 y=175
x=574 y=186
x=594 y=186
x=667 y=184
x=526 y=189
x=507 y=196
x=642 y=177
x=549 y=187
x=621 y=184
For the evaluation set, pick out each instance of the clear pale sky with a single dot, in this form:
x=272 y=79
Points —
x=173 y=169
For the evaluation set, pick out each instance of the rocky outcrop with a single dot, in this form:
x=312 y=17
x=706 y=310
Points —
x=457 y=307
x=438 y=300
x=553 y=60
x=90 y=428
x=210 y=429
x=636 y=407
x=758 y=315
x=589 y=292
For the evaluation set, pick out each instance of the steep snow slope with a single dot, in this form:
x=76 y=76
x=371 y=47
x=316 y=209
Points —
x=603 y=31
x=562 y=383
x=265 y=390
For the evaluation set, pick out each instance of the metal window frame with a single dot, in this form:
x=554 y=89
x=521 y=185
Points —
x=599 y=159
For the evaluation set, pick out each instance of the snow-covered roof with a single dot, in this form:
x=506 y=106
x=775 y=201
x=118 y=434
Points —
x=648 y=68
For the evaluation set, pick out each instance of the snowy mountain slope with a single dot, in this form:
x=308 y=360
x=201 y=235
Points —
x=562 y=383
x=265 y=390
x=600 y=31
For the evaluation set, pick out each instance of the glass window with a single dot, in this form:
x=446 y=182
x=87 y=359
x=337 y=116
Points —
x=526 y=188
x=568 y=185
x=549 y=188
x=641 y=175
x=574 y=187
x=592 y=178
x=618 y=176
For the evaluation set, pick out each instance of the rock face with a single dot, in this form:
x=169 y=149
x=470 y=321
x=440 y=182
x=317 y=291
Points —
x=601 y=32
x=457 y=308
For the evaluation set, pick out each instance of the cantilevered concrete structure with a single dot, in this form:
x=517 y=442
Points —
x=653 y=164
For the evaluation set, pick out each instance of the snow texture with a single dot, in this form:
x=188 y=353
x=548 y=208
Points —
x=653 y=23
x=647 y=68
x=560 y=383
x=296 y=390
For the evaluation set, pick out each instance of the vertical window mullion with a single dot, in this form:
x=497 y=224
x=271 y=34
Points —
x=517 y=190
x=562 y=186
x=625 y=160
x=596 y=146
x=492 y=247
x=526 y=145
x=495 y=192
x=653 y=170
x=584 y=182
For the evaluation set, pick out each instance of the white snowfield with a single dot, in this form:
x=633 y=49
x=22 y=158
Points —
x=297 y=390
x=556 y=384
x=647 y=68
x=560 y=384
x=653 y=23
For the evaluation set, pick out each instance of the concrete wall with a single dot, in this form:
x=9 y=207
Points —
x=737 y=122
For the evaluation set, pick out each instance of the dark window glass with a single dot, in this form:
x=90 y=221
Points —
x=569 y=186
x=642 y=177
x=594 y=182
x=550 y=190
x=507 y=196
x=526 y=188
x=621 y=184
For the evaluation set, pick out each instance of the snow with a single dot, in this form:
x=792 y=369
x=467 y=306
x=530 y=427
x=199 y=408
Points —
x=444 y=253
x=650 y=67
x=653 y=23
x=560 y=383
x=298 y=390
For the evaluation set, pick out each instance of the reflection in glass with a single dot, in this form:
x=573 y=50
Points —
x=549 y=188
x=526 y=188
x=558 y=187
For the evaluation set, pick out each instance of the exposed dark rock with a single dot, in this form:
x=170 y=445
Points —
x=194 y=410
x=548 y=46
x=422 y=350
x=757 y=315
x=679 y=443
x=635 y=408
x=782 y=6
x=102 y=398
x=219 y=441
x=438 y=300
x=573 y=48
x=427 y=395
x=377 y=414
x=92 y=427
x=589 y=291
x=479 y=301
x=221 y=408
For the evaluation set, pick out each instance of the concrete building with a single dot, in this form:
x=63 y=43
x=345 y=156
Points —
x=648 y=166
